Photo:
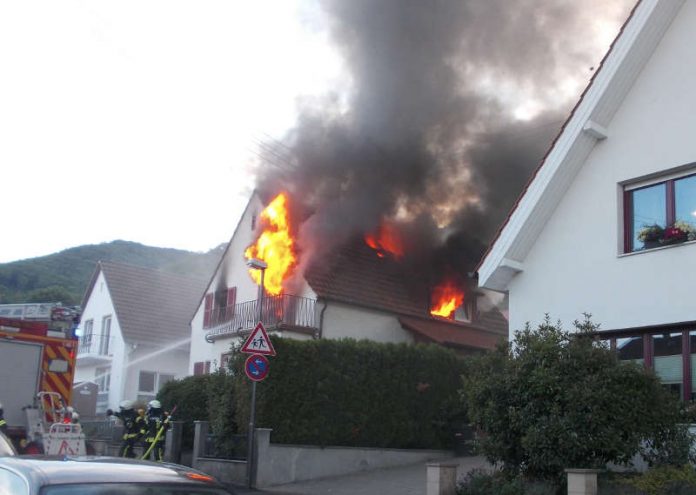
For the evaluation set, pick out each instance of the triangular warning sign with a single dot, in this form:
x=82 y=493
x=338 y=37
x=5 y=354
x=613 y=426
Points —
x=258 y=342
x=65 y=448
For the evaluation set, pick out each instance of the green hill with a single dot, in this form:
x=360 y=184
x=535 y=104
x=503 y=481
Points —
x=64 y=276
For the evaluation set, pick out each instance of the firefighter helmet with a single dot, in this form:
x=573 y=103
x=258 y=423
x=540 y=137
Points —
x=154 y=404
x=126 y=405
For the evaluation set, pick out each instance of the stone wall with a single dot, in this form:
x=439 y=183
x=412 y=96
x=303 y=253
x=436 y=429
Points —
x=280 y=464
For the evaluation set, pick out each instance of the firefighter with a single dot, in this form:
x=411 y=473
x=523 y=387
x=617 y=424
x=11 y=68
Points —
x=157 y=426
x=131 y=428
x=3 y=423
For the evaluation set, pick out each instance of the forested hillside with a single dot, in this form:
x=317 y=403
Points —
x=63 y=276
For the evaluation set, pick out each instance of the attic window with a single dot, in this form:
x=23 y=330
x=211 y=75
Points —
x=661 y=213
x=253 y=221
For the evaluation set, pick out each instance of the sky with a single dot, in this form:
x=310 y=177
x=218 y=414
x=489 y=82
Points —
x=141 y=120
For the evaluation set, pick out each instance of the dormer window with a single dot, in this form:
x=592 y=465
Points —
x=660 y=213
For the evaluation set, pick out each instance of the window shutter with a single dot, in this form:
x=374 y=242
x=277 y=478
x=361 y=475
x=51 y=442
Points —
x=207 y=313
x=198 y=368
x=231 y=301
x=207 y=367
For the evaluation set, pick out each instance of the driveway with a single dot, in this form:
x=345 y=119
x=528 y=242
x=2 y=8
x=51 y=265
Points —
x=403 y=480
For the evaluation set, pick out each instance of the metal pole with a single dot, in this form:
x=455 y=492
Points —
x=252 y=413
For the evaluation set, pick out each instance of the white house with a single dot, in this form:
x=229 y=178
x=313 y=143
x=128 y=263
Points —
x=134 y=331
x=607 y=223
x=352 y=294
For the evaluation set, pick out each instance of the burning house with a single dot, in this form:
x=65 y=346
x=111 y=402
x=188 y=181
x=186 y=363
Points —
x=362 y=288
x=397 y=178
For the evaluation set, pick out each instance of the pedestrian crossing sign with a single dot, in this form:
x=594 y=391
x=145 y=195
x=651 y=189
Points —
x=258 y=342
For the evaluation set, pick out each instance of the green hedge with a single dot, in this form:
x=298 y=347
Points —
x=194 y=397
x=355 y=393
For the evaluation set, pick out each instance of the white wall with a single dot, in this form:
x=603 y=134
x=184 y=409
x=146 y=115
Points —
x=97 y=306
x=156 y=359
x=576 y=264
x=345 y=321
x=236 y=274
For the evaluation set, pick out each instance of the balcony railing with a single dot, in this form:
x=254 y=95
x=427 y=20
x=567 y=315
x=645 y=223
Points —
x=95 y=344
x=283 y=310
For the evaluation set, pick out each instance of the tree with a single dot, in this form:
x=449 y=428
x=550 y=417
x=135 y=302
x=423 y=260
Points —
x=553 y=400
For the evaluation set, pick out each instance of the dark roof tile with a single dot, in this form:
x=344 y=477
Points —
x=152 y=306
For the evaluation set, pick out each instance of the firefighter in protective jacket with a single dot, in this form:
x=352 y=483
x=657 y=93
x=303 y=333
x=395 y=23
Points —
x=3 y=423
x=133 y=427
x=157 y=426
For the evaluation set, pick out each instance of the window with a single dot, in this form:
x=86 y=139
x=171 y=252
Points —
x=201 y=368
x=105 y=336
x=198 y=368
x=660 y=214
x=667 y=349
x=219 y=307
x=150 y=382
x=87 y=332
x=630 y=349
x=146 y=382
x=102 y=377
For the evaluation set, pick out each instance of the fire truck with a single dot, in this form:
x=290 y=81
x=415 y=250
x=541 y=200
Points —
x=37 y=364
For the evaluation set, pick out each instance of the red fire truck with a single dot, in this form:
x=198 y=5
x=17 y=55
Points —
x=37 y=359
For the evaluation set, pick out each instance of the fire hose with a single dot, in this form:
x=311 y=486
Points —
x=159 y=434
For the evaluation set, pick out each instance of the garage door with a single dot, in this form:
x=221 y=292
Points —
x=19 y=368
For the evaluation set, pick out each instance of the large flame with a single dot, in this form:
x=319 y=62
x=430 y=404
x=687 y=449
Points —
x=274 y=245
x=446 y=298
x=385 y=239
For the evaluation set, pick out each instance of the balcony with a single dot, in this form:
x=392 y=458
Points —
x=95 y=349
x=284 y=312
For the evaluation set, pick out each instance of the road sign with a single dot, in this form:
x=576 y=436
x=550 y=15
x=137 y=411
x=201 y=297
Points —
x=256 y=367
x=258 y=342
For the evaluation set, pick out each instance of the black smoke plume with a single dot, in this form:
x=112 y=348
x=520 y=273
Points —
x=426 y=133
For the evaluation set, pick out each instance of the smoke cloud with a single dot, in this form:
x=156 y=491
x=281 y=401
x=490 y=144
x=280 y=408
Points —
x=428 y=134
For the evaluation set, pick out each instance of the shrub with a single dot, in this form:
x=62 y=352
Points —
x=670 y=447
x=664 y=480
x=553 y=400
x=222 y=406
x=355 y=393
x=481 y=482
x=190 y=395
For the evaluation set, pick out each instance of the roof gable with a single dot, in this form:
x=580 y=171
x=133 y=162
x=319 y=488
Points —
x=152 y=307
x=587 y=124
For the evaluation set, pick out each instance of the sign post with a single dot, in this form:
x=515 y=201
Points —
x=256 y=367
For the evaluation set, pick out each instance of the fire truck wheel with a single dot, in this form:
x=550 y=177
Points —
x=33 y=448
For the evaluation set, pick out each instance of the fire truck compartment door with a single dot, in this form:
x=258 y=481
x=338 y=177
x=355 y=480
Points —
x=20 y=367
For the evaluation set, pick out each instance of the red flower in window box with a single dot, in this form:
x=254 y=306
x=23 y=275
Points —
x=674 y=235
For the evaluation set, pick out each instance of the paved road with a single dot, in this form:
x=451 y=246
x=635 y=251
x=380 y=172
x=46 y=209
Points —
x=405 y=480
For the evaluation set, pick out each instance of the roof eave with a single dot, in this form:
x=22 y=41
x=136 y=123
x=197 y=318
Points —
x=586 y=125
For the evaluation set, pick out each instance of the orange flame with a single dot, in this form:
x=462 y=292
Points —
x=446 y=298
x=386 y=240
x=274 y=245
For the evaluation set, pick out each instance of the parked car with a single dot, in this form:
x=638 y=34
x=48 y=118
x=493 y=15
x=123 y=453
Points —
x=86 y=475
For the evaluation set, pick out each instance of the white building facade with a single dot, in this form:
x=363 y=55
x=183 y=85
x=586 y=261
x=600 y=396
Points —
x=580 y=241
x=131 y=343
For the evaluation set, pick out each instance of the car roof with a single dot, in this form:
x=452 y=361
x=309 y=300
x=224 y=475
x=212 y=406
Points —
x=95 y=469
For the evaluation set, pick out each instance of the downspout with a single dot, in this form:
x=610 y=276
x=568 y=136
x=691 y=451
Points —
x=320 y=334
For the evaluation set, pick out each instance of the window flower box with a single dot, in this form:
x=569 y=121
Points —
x=653 y=236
